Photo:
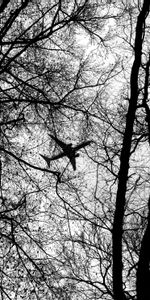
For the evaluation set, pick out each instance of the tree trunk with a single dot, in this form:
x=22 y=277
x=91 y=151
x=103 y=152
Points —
x=125 y=156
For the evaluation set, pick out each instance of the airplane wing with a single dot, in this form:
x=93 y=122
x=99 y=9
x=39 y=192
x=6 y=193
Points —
x=82 y=145
x=49 y=159
x=73 y=162
x=62 y=154
x=60 y=143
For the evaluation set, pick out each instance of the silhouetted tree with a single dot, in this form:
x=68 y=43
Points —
x=77 y=70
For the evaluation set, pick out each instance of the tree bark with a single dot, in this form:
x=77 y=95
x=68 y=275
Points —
x=125 y=156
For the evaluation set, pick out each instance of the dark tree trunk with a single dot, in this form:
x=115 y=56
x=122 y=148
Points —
x=4 y=5
x=125 y=156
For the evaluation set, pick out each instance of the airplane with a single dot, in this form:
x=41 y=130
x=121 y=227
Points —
x=68 y=151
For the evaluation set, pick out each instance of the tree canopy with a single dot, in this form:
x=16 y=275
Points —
x=74 y=76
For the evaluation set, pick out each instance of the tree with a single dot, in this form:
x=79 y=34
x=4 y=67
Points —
x=36 y=88
x=83 y=234
x=125 y=156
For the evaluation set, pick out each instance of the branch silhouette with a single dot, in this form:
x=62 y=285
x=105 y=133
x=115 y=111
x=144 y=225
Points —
x=30 y=165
